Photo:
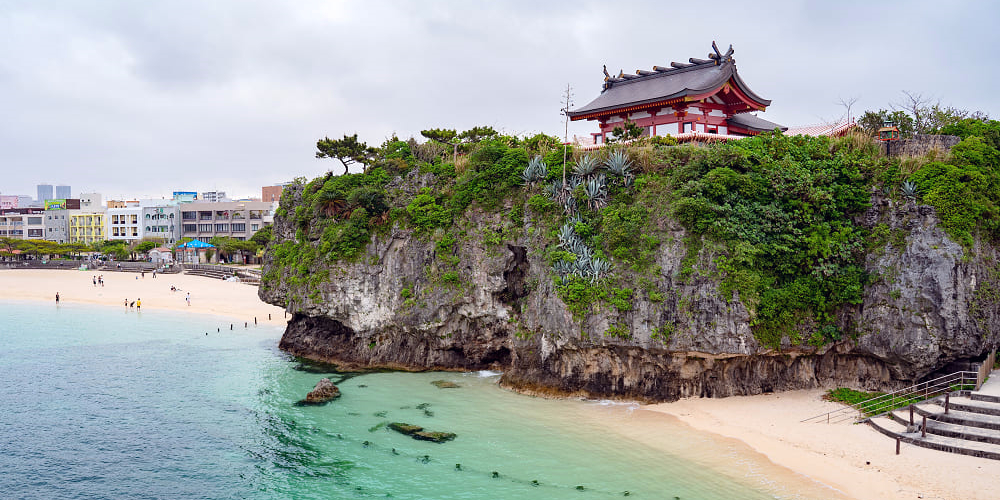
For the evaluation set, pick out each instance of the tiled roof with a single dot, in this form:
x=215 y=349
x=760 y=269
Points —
x=821 y=129
x=754 y=123
x=664 y=83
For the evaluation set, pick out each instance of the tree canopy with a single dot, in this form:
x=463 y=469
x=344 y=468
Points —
x=348 y=150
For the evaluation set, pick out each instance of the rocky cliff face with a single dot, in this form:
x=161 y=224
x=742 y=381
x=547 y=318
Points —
x=492 y=304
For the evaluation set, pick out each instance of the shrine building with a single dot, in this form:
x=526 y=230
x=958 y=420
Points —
x=699 y=98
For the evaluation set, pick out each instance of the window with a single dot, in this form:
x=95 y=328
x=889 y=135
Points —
x=239 y=228
x=687 y=127
x=221 y=228
x=189 y=215
x=205 y=228
x=222 y=214
x=254 y=227
x=135 y=219
x=189 y=228
x=205 y=215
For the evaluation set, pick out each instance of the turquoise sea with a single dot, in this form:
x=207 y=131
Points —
x=101 y=403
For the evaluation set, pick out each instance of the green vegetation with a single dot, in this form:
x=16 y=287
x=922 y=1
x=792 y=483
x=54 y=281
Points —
x=772 y=221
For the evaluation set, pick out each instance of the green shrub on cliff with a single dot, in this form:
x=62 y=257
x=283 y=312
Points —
x=784 y=207
x=965 y=192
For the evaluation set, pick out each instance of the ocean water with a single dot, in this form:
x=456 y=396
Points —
x=101 y=403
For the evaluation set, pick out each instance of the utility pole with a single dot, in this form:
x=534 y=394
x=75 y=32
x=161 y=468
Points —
x=567 y=102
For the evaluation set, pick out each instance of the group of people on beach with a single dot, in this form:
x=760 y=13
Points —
x=99 y=280
x=137 y=303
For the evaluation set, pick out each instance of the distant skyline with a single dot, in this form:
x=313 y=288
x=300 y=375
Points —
x=139 y=99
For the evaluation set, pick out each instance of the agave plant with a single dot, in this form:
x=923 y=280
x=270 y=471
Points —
x=569 y=205
x=910 y=190
x=535 y=171
x=597 y=193
x=586 y=166
x=574 y=219
x=563 y=268
x=567 y=235
x=598 y=268
x=581 y=250
x=618 y=164
x=554 y=191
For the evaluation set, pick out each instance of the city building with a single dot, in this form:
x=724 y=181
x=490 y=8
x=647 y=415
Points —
x=240 y=220
x=57 y=216
x=123 y=221
x=22 y=223
x=213 y=196
x=91 y=202
x=161 y=222
x=87 y=227
x=44 y=193
x=24 y=201
x=701 y=96
x=272 y=193
x=8 y=201
x=64 y=192
x=185 y=196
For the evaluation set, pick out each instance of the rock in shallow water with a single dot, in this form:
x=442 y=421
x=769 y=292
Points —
x=417 y=432
x=324 y=392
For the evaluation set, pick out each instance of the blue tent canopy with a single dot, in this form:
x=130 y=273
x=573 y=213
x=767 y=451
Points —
x=196 y=244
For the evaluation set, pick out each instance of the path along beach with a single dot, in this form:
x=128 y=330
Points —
x=854 y=461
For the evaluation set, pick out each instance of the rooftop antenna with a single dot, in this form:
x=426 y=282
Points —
x=567 y=102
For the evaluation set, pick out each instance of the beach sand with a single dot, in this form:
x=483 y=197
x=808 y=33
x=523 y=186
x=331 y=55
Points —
x=853 y=459
x=236 y=301
x=842 y=460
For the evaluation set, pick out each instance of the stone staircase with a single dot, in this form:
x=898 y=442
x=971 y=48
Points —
x=970 y=425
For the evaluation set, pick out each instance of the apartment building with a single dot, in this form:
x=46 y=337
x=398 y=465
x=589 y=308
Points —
x=233 y=219
x=161 y=222
x=23 y=223
x=123 y=222
x=56 y=221
x=213 y=196
x=87 y=228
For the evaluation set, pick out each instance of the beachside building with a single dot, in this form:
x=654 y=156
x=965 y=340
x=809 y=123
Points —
x=91 y=202
x=124 y=222
x=87 y=227
x=702 y=97
x=161 y=222
x=63 y=192
x=57 y=214
x=23 y=223
x=204 y=220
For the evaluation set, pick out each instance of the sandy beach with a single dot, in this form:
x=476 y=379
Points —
x=208 y=296
x=840 y=460
x=853 y=459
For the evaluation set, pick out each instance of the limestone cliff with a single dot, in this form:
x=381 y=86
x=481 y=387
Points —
x=497 y=309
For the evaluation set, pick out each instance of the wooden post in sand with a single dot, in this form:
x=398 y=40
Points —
x=947 y=401
x=897 y=446
x=911 y=413
x=923 y=428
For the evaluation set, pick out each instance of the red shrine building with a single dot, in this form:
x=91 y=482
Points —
x=684 y=100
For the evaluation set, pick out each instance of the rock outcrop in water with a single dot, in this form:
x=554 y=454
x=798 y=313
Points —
x=324 y=392
x=930 y=305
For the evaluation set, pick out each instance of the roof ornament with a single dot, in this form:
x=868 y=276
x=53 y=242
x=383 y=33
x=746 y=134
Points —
x=719 y=57
x=607 y=76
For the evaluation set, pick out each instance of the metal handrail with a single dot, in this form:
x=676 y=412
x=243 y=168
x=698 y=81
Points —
x=890 y=401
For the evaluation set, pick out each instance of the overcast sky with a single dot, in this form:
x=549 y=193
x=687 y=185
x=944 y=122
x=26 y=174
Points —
x=141 y=98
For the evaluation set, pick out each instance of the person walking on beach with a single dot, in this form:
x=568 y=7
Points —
x=154 y=273
x=143 y=272
x=188 y=298
x=95 y=281
x=100 y=280
x=57 y=297
x=138 y=304
x=126 y=302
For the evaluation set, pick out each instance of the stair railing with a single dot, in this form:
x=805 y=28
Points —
x=879 y=405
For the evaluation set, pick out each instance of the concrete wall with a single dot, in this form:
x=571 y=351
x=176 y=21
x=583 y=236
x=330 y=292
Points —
x=919 y=145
